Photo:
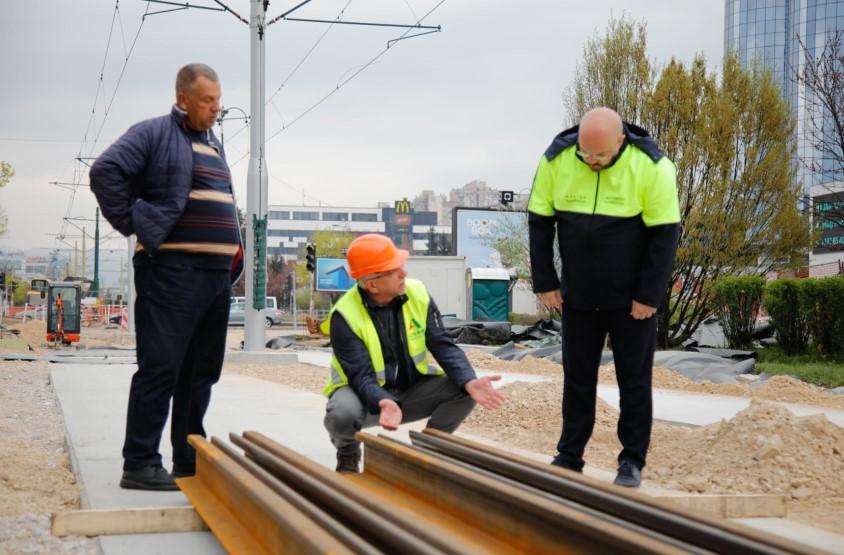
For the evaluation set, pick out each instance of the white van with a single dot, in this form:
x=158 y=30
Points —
x=271 y=301
x=237 y=309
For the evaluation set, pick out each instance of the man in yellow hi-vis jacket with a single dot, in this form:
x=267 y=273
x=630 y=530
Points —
x=381 y=332
x=611 y=196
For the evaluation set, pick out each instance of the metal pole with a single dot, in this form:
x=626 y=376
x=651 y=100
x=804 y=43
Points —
x=95 y=286
x=256 y=181
x=130 y=284
x=293 y=300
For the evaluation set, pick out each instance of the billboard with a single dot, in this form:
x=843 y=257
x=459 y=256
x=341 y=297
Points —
x=332 y=274
x=475 y=230
x=829 y=221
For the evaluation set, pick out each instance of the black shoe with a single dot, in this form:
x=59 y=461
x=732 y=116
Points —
x=559 y=462
x=153 y=478
x=183 y=471
x=348 y=462
x=628 y=475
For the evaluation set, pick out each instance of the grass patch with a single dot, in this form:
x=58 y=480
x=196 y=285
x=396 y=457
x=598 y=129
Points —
x=811 y=368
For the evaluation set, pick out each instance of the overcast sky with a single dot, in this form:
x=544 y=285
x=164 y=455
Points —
x=479 y=100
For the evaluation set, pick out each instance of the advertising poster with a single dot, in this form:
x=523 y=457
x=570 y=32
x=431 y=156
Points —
x=332 y=274
x=474 y=231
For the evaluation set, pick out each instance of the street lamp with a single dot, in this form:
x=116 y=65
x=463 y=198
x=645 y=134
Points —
x=222 y=117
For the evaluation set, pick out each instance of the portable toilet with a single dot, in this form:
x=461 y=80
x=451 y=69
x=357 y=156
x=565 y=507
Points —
x=489 y=294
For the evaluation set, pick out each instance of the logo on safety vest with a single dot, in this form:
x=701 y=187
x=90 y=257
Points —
x=416 y=328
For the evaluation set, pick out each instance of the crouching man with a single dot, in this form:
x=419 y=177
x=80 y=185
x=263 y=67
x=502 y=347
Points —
x=381 y=332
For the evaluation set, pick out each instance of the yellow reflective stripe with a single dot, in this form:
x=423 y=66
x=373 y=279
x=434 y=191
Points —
x=336 y=378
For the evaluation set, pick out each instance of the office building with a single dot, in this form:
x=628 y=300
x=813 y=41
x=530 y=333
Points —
x=775 y=32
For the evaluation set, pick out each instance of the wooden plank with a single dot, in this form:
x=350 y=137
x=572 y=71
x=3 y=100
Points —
x=126 y=521
x=731 y=506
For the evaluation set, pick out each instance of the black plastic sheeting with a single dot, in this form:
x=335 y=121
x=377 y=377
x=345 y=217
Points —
x=544 y=340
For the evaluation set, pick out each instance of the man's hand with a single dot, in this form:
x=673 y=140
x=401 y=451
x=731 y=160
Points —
x=482 y=392
x=390 y=414
x=551 y=299
x=641 y=311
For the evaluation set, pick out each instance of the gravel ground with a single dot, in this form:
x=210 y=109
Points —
x=35 y=475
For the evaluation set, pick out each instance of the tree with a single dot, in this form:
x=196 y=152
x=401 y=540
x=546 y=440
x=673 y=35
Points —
x=820 y=81
x=730 y=139
x=509 y=239
x=614 y=72
x=329 y=244
x=278 y=278
x=439 y=244
x=6 y=175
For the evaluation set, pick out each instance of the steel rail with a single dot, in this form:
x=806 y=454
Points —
x=304 y=505
x=245 y=515
x=696 y=530
x=528 y=521
x=383 y=525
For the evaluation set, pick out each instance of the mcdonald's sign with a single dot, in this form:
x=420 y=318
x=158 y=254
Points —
x=402 y=206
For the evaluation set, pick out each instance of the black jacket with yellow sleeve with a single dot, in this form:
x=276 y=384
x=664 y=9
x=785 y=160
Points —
x=617 y=227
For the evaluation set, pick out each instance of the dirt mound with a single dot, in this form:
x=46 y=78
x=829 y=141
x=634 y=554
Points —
x=763 y=449
x=528 y=365
x=32 y=332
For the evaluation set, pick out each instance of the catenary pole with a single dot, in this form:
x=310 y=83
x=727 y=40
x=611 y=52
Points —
x=256 y=187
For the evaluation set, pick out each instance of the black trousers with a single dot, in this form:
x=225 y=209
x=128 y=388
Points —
x=181 y=318
x=633 y=343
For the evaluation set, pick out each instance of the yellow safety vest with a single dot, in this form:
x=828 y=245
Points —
x=415 y=313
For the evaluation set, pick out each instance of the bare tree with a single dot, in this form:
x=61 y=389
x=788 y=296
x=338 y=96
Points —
x=821 y=86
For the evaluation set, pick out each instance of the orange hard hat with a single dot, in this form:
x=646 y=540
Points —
x=373 y=253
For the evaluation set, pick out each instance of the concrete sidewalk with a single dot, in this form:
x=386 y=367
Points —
x=93 y=399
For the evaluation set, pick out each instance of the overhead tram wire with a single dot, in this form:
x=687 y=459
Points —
x=107 y=108
x=390 y=44
x=344 y=82
x=270 y=101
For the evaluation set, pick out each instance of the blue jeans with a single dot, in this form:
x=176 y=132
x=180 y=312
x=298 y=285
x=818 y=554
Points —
x=181 y=319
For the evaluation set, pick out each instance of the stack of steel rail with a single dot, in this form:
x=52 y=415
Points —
x=443 y=494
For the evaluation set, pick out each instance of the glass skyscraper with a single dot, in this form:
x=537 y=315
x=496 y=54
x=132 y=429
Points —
x=771 y=31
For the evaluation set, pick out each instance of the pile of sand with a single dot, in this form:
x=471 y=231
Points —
x=763 y=449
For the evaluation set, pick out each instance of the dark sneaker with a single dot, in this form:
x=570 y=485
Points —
x=628 y=475
x=153 y=478
x=348 y=462
x=183 y=471
x=560 y=463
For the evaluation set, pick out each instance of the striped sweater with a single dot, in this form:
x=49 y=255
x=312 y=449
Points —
x=207 y=234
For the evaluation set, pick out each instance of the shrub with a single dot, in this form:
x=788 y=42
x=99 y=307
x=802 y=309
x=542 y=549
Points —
x=822 y=301
x=782 y=302
x=737 y=301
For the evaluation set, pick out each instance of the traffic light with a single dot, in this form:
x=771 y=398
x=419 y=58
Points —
x=310 y=257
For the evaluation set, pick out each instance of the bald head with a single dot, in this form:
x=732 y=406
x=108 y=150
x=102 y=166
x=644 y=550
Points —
x=600 y=136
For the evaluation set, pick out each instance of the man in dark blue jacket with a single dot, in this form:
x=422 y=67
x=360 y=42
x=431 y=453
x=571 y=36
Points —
x=166 y=181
